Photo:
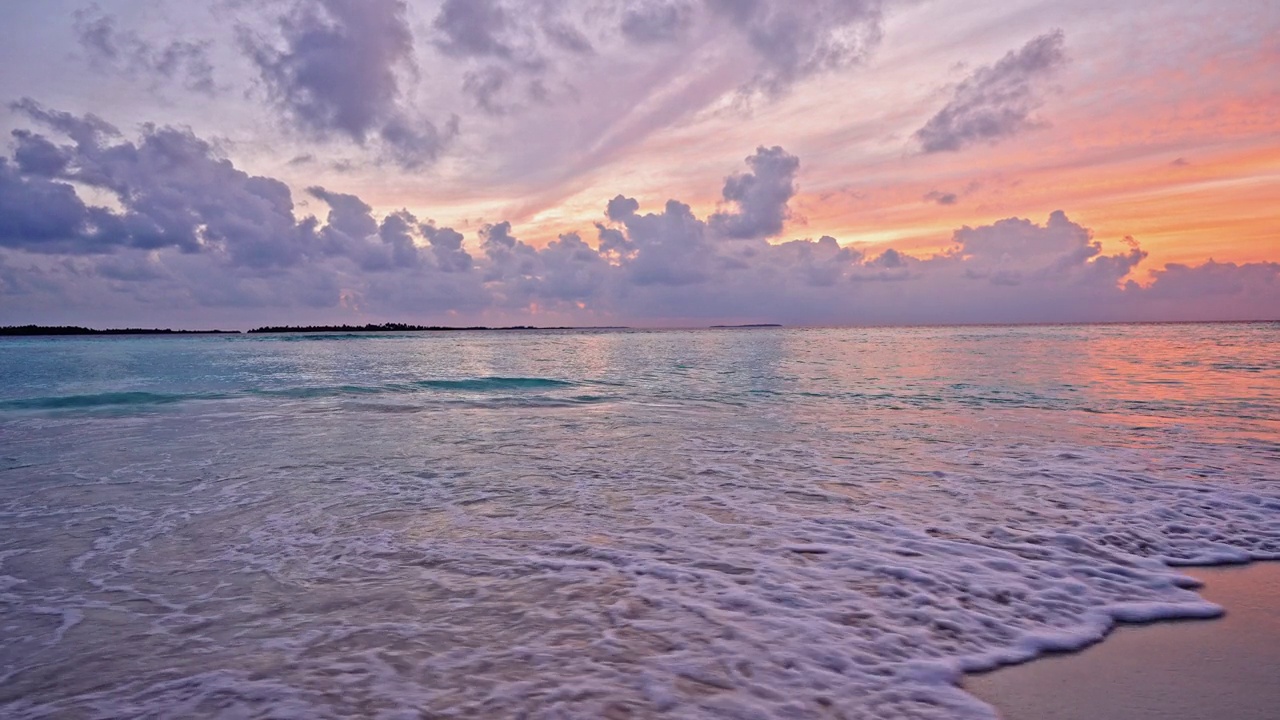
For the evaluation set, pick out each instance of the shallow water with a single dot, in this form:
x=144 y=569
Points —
x=727 y=523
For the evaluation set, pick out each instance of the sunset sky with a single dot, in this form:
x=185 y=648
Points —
x=645 y=162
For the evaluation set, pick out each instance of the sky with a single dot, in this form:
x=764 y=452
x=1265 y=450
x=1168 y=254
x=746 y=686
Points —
x=235 y=163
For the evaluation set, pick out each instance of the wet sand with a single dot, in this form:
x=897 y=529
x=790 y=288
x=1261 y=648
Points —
x=1226 y=668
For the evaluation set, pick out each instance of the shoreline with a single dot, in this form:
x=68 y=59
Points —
x=1179 y=668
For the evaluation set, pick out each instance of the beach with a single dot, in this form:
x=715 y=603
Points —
x=1180 y=670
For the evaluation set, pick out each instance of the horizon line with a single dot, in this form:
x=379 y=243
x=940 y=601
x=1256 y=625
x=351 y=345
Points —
x=34 y=330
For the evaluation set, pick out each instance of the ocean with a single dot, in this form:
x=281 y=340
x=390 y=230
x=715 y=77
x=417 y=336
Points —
x=763 y=523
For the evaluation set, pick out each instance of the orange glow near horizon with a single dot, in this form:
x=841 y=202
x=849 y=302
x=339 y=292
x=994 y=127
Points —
x=1222 y=208
x=1183 y=157
x=1181 y=204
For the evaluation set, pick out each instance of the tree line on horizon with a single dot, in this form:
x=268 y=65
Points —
x=46 y=330
x=23 y=330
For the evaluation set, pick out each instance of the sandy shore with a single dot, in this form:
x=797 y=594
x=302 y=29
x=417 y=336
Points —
x=1227 y=668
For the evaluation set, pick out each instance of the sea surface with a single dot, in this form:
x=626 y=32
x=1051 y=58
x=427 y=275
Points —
x=765 y=523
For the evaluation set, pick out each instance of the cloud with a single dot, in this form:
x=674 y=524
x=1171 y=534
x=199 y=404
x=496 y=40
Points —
x=41 y=215
x=761 y=195
x=84 y=130
x=821 y=263
x=472 y=28
x=486 y=86
x=780 y=42
x=565 y=36
x=794 y=40
x=659 y=59
x=336 y=69
x=566 y=271
x=106 y=46
x=941 y=198
x=656 y=21
x=505 y=49
x=351 y=231
x=1214 y=290
x=173 y=191
x=667 y=248
x=996 y=101
x=186 y=231
x=446 y=244
x=1015 y=250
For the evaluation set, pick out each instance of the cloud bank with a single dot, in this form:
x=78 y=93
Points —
x=161 y=226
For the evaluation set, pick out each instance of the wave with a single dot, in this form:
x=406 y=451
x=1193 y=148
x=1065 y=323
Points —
x=480 y=385
x=315 y=392
x=98 y=400
x=488 y=384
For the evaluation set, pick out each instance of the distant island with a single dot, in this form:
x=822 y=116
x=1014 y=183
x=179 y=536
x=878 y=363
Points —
x=402 y=327
x=47 y=330
x=27 y=330
x=753 y=325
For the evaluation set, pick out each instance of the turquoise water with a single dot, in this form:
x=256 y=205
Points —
x=721 y=523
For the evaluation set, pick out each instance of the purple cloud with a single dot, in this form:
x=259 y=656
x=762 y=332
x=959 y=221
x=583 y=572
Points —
x=472 y=28
x=760 y=196
x=183 y=61
x=175 y=193
x=794 y=40
x=188 y=230
x=336 y=68
x=996 y=101
x=656 y=21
